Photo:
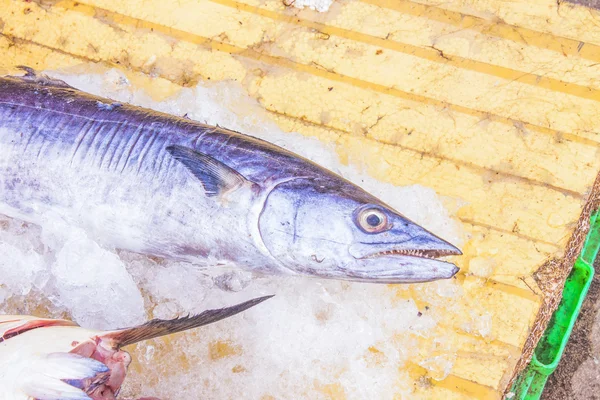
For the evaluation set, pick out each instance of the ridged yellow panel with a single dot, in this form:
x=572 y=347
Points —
x=494 y=103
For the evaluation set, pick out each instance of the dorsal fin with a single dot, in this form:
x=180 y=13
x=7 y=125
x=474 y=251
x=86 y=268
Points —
x=161 y=327
x=216 y=177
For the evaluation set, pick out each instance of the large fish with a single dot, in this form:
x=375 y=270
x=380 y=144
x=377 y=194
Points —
x=49 y=359
x=158 y=184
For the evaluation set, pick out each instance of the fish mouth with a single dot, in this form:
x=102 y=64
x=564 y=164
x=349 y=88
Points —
x=430 y=254
x=393 y=266
x=396 y=269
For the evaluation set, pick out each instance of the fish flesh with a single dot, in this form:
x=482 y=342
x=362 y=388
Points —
x=51 y=359
x=167 y=186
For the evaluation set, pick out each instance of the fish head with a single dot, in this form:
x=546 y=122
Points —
x=334 y=229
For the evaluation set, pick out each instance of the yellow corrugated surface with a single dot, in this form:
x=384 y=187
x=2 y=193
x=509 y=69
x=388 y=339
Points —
x=491 y=102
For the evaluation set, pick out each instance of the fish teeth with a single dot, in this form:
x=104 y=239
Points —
x=429 y=254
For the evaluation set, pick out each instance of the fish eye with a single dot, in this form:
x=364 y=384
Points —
x=372 y=220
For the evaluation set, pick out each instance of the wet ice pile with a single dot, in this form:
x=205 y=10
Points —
x=72 y=271
x=314 y=339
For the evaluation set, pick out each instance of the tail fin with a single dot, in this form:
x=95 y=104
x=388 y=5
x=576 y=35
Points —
x=161 y=327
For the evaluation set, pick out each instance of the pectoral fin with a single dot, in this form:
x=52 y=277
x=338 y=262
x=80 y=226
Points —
x=216 y=177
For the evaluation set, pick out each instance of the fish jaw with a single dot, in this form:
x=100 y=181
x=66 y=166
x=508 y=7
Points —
x=402 y=266
x=398 y=269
